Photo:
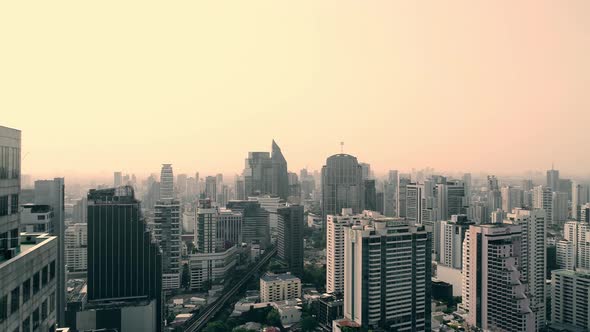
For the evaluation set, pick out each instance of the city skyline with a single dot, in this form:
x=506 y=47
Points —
x=381 y=77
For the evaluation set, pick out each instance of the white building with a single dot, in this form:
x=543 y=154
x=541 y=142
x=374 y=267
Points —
x=36 y=218
x=335 y=248
x=543 y=199
x=566 y=254
x=279 y=287
x=210 y=268
x=578 y=233
x=452 y=234
x=533 y=258
x=387 y=275
x=76 y=246
x=167 y=232
x=206 y=227
x=570 y=295
x=496 y=299
x=559 y=207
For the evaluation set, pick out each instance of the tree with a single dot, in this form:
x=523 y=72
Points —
x=308 y=324
x=216 y=327
x=241 y=329
x=186 y=277
x=273 y=318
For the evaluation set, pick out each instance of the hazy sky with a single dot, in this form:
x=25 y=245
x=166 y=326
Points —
x=97 y=86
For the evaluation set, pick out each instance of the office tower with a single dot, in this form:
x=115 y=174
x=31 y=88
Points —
x=553 y=179
x=387 y=273
x=570 y=293
x=335 y=227
x=271 y=204
x=493 y=291
x=279 y=287
x=543 y=199
x=229 y=228
x=117 y=179
x=124 y=264
x=211 y=188
x=290 y=239
x=533 y=261
x=467 y=184
x=559 y=207
x=370 y=195
x=415 y=194
x=80 y=210
x=258 y=173
x=28 y=262
x=182 y=184
x=402 y=185
x=452 y=234
x=167 y=233
x=565 y=186
x=585 y=213
x=123 y=261
x=255 y=221
x=52 y=193
x=35 y=218
x=365 y=171
x=206 y=227
x=342 y=185
x=76 y=247
x=279 y=178
x=390 y=195
x=166 y=182
x=566 y=255
x=240 y=189
x=511 y=198
x=223 y=194
x=579 y=197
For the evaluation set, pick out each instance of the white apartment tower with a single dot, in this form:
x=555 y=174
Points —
x=452 y=234
x=570 y=293
x=76 y=243
x=335 y=225
x=494 y=292
x=543 y=199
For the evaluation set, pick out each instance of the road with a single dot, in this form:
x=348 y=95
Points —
x=213 y=308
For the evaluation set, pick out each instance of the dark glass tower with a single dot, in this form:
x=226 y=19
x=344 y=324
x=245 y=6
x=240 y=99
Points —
x=290 y=241
x=280 y=175
x=123 y=261
x=255 y=222
x=342 y=185
x=266 y=173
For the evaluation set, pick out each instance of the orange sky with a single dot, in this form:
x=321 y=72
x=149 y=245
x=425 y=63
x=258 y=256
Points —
x=98 y=86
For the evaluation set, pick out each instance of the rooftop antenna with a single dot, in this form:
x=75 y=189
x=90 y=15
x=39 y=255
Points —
x=341 y=147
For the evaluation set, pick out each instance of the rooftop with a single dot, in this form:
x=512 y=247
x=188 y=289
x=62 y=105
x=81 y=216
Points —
x=276 y=277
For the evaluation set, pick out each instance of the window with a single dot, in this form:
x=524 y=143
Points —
x=51 y=302
x=52 y=270
x=36 y=319
x=4 y=240
x=14 y=238
x=41 y=217
x=27 y=325
x=3 y=307
x=36 y=283
x=14 y=204
x=3 y=206
x=44 y=310
x=4 y=162
x=26 y=290
x=14 y=300
x=44 y=276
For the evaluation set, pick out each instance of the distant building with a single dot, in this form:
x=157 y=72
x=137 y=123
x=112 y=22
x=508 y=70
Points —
x=255 y=228
x=229 y=228
x=543 y=199
x=290 y=237
x=279 y=287
x=210 y=268
x=553 y=179
x=452 y=234
x=76 y=246
x=167 y=233
x=266 y=173
x=566 y=255
x=342 y=185
x=211 y=188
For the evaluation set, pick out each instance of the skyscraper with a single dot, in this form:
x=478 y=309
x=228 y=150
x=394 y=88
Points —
x=280 y=178
x=52 y=193
x=543 y=199
x=118 y=179
x=390 y=195
x=166 y=182
x=290 y=237
x=124 y=264
x=553 y=179
x=211 y=188
x=167 y=232
x=452 y=234
x=493 y=292
x=255 y=228
x=533 y=257
x=335 y=227
x=342 y=185
x=206 y=227
x=388 y=276
x=402 y=185
x=369 y=195
x=266 y=174
x=415 y=202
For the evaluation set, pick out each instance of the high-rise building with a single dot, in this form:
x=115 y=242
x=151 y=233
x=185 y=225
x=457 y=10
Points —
x=118 y=179
x=168 y=232
x=342 y=185
x=52 y=193
x=578 y=233
x=580 y=196
x=533 y=259
x=585 y=213
x=390 y=194
x=553 y=179
x=388 y=276
x=452 y=234
x=511 y=198
x=467 y=184
x=290 y=237
x=255 y=228
x=570 y=295
x=280 y=177
x=28 y=262
x=76 y=247
x=80 y=210
x=266 y=173
x=240 y=189
x=270 y=204
x=402 y=185
x=124 y=264
x=182 y=184
x=415 y=199
x=335 y=227
x=559 y=207
x=211 y=188
x=206 y=227
x=166 y=182
x=493 y=291
x=229 y=228
x=566 y=254
x=543 y=199
x=369 y=195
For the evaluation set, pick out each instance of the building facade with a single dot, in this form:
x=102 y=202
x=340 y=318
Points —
x=290 y=237
x=279 y=287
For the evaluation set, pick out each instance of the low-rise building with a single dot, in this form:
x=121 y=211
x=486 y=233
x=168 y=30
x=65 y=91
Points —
x=210 y=268
x=279 y=287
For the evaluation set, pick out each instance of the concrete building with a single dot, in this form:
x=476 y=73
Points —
x=166 y=182
x=279 y=287
x=80 y=211
x=335 y=228
x=206 y=227
x=36 y=218
x=452 y=234
x=387 y=276
x=566 y=255
x=76 y=246
x=167 y=233
x=578 y=233
x=207 y=269
x=543 y=199
x=255 y=222
x=580 y=196
x=229 y=228
x=290 y=239
x=494 y=292
x=533 y=259
x=415 y=201
x=511 y=198
x=342 y=185
x=570 y=295
x=330 y=307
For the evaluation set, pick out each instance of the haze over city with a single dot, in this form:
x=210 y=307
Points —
x=463 y=86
